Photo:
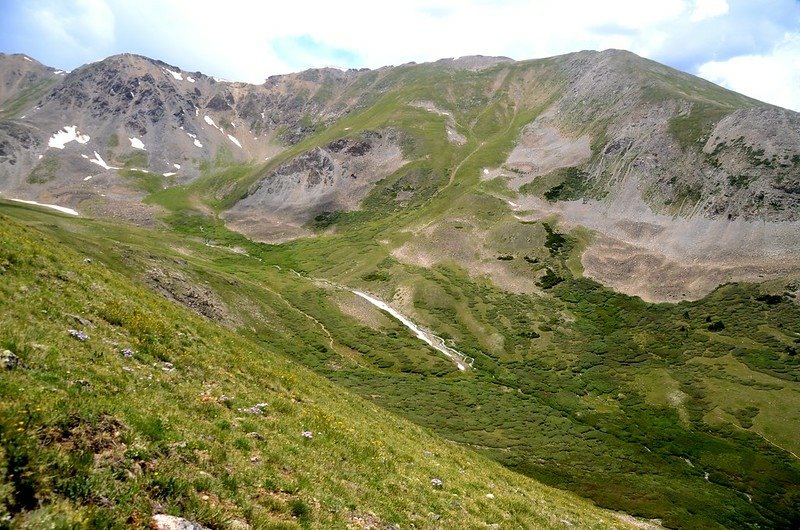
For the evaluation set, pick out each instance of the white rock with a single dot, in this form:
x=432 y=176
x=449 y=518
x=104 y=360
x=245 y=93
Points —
x=170 y=522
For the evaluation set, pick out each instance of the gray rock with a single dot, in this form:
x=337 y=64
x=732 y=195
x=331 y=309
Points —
x=8 y=360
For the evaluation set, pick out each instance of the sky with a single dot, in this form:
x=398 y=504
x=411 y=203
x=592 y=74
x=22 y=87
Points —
x=751 y=46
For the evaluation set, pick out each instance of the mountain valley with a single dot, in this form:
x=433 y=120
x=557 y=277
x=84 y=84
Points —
x=609 y=248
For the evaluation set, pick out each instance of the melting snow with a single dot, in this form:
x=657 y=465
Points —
x=210 y=121
x=84 y=156
x=197 y=143
x=177 y=166
x=27 y=58
x=234 y=140
x=100 y=162
x=87 y=178
x=137 y=144
x=428 y=338
x=169 y=174
x=59 y=72
x=40 y=157
x=176 y=75
x=190 y=79
x=66 y=135
x=62 y=209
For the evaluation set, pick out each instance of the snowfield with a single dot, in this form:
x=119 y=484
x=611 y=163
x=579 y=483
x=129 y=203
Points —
x=66 y=135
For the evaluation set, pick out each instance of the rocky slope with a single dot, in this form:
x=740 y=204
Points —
x=604 y=132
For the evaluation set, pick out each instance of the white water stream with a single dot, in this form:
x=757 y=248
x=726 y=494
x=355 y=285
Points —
x=434 y=341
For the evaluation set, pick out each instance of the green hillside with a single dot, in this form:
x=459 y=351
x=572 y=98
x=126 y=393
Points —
x=155 y=411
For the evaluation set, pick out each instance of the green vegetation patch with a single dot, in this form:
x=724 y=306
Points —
x=45 y=170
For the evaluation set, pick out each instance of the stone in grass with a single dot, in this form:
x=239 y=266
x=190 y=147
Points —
x=257 y=409
x=437 y=483
x=79 y=335
x=170 y=522
x=8 y=361
x=307 y=434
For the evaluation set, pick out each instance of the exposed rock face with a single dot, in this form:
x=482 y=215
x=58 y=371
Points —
x=200 y=299
x=139 y=113
x=325 y=179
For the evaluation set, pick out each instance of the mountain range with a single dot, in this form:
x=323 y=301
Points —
x=601 y=255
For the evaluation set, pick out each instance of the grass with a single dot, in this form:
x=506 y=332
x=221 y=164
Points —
x=13 y=107
x=562 y=383
x=92 y=438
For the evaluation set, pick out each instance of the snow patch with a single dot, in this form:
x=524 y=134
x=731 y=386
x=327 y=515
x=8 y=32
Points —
x=66 y=135
x=210 y=122
x=27 y=59
x=190 y=79
x=136 y=143
x=234 y=140
x=428 y=338
x=59 y=72
x=177 y=166
x=62 y=209
x=176 y=75
x=40 y=157
x=100 y=162
x=87 y=178
x=84 y=156
x=197 y=143
x=169 y=174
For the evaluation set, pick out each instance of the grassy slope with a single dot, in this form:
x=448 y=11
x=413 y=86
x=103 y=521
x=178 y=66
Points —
x=585 y=415
x=91 y=437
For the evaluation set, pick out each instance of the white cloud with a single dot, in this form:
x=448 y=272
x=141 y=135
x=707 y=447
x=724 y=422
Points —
x=704 y=9
x=82 y=26
x=773 y=77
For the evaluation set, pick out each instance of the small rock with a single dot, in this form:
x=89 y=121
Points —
x=490 y=495
x=238 y=524
x=307 y=434
x=87 y=260
x=170 y=522
x=254 y=435
x=258 y=409
x=79 y=335
x=8 y=360
x=437 y=482
x=127 y=352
